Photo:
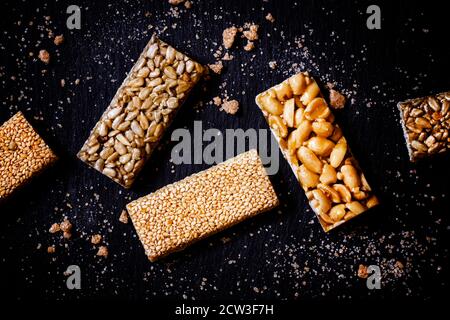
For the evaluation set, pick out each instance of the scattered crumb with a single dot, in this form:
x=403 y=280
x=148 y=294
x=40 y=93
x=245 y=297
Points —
x=54 y=228
x=216 y=67
x=249 y=46
x=96 y=239
x=228 y=36
x=252 y=33
x=44 y=56
x=123 y=217
x=67 y=235
x=77 y=81
x=231 y=106
x=337 y=100
x=399 y=265
x=51 y=249
x=102 y=251
x=58 y=40
x=227 y=57
x=176 y=2
x=63 y=83
x=270 y=18
x=362 y=271
x=188 y=4
x=217 y=101
x=272 y=65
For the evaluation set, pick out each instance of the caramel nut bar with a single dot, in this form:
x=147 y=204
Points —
x=426 y=125
x=141 y=110
x=202 y=204
x=316 y=150
x=23 y=154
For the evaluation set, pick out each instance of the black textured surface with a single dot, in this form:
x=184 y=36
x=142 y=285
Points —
x=283 y=254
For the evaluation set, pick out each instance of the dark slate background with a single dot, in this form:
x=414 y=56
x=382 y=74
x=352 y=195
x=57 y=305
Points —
x=282 y=254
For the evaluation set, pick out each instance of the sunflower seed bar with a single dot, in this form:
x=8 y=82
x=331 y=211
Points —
x=426 y=125
x=316 y=150
x=23 y=154
x=143 y=107
x=202 y=204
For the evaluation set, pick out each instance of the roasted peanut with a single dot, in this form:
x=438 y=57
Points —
x=338 y=153
x=317 y=109
x=365 y=184
x=298 y=117
x=283 y=91
x=322 y=128
x=277 y=124
x=350 y=176
x=323 y=203
x=288 y=113
x=328 y=175
x=308 y=179
x=294 y=141
x=349 y=215
x=309 y=159
x=311 y=91
x=298 y=83
x=344 y=193
x=304 y=130
x=320 y=146
x=372 y=202
x=271 y=105
x=358 y=194
x=355 y=207
x=337 y=134
x=330 y=192
x=327 y=219
x=337 y=213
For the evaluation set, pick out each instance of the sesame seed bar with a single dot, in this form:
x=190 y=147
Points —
x=426 y=125
x=139 y=113
x=313 y=144
x=23 y=154
x=202 y=204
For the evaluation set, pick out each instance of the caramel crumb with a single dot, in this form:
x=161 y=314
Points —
x=249 y=46
x=102 y=251
x=362 y=271
x=252 y=33
x=51 y=249
x=231 y=106
x=44 y=56
x=96 y=239
x=228 y=36
x=337 y=100
x=124 y=217
x=216 y=67
x=217 y=101
x=54 y=228
x=58 y=40
x=270 y=18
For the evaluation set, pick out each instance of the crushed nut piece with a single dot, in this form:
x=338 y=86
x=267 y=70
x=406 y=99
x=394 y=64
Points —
x=270 y=18
x=227 y=57
x=362 y=271
x=217 y=101
x=252 y=33
x=249 y=46
x=65 y=226
x=216 y=67
x=231 y=106
x=58 y=40
x=124 y=217
x=67 y=235
x=96 y=239
x=102 y=251
x=51 y=249
x=228 y=36
x=272 y=65
x=44 y=56
x=54 y=228
x=188 y=4
x=337 y=100
x=176 y=2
